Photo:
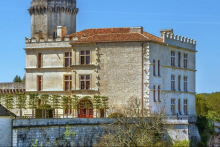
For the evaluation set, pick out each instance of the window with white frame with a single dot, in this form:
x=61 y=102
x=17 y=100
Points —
x=154 y=67
x=173 y=82
x=85 y=82
x=185 y=60
x=185 y=84
x=173 y=106
x=179 y=59
x=179 y=83
x=172 y=58
x=154 y=93
x=85 y=57
x=159 y=88
x=67 y=59
x=185 y=107
x=158 y=67
x=67 y=82
x=179 y=106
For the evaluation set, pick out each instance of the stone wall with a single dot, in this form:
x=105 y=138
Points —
x=5 y=131
x=48 y=132
x=6 y=88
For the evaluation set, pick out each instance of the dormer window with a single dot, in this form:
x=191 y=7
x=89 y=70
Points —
x=85 y=57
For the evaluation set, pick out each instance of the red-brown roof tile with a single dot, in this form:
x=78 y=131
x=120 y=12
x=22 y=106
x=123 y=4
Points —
x=112 y=35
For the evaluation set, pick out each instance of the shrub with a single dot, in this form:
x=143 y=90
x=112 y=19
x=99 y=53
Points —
x=116 y=115
x=183 y=143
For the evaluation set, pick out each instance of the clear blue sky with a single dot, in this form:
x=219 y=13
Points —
x=196 y=19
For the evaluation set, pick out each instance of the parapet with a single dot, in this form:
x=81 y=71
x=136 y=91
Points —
x=42 y=6
x=179 y=41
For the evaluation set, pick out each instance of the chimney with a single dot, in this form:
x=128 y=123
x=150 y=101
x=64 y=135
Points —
x=38 y=35
x=136 y=30
x=170 y=31
x=61 y=32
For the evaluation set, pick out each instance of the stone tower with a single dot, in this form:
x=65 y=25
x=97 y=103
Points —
x=46 y=15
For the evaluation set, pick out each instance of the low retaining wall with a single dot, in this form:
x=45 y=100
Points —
x=49 y=132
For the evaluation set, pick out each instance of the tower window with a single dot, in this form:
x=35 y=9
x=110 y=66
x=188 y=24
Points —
x=39 y=83
x=39 y=60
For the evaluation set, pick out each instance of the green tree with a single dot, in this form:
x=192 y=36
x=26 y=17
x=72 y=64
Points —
x=33 y=101
x=75 y=100
x=55 y=103
x=66 y=104
x=21 y=102
x=9 y=101
x=105 y=104
x=24 y=79
x=44 y=104
x=97 y=103
x=17 y=79
x=1 y=99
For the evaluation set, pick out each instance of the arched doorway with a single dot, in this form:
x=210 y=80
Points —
x=85 y=109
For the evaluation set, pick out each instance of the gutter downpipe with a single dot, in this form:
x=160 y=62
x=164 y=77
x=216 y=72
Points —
x=142 y=81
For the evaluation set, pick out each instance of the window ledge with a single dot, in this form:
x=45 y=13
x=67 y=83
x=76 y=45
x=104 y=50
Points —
x=84 y=66
x=180 y=68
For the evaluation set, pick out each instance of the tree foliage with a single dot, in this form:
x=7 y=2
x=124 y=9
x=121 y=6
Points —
x=17 y=79
x=208 y=105
x=136 y=129
x=21 y=102
x=9 y=101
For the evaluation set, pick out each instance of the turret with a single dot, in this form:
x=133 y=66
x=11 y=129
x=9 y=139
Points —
x=46 y=15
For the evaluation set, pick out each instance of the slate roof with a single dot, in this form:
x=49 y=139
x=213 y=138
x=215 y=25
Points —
x=5 y=112
x=113 y=35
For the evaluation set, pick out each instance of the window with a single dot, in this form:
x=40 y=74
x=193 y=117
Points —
x=55 y=35
x=68 y=59
x=154 y=93
x=85 y=57
x=67 y=82
x=173 y=82
x=179 y=83
x=102 y=113
x=39 y=83
x=185 y=84
x=158 y=67
x=172 y=58
x=85 y=82
x=39 y=60
x=185 y=58
x=159 y=94
x=186 y=107
x=179 y=59
x=179 y=106
x=154 y=67
x=173 y=106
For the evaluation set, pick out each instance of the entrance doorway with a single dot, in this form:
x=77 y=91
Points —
x=85 y=109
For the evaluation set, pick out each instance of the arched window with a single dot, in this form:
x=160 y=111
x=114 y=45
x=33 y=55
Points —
x=85 y=109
